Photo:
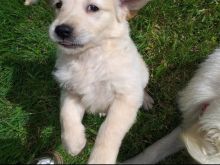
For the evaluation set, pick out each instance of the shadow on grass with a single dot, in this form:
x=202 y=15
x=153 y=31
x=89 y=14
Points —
x=35 y=91
x=11 y=154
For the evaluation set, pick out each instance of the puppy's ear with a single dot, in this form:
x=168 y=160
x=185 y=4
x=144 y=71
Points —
x=126 y=7
x=134 y=4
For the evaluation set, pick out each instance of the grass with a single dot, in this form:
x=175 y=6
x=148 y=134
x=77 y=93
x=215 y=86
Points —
x=173 y=37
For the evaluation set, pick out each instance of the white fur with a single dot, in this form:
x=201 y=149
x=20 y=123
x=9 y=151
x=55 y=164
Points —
x=201 y=130
x=203 y=88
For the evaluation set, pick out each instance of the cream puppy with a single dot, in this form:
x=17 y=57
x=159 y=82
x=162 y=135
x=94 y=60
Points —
x=99 y=71
x=199 y=132
x=200 y=105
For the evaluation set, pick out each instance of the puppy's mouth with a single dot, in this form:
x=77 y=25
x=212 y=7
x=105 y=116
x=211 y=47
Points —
x=70 y=45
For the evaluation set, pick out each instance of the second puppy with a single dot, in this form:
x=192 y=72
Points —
x=199 y=132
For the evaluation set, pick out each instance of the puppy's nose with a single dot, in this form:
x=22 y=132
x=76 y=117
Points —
x=63 y=31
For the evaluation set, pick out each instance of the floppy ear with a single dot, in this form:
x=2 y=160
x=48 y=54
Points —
x=128 y=8
x=133 y=4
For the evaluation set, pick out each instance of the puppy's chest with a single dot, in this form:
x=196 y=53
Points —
x=89 y=79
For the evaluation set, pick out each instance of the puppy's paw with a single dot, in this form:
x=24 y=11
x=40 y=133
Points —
x=148 y=101
x=73 y=142
x=211 y=141
x=213 y=135
x=99 y=160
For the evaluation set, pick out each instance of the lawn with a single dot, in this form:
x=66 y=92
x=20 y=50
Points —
x=173 y=37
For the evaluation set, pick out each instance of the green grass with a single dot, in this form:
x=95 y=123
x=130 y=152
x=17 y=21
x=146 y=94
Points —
x=173 y=36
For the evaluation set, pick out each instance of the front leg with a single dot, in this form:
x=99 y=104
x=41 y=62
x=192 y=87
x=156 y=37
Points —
x=120 y=118
x=72 y=130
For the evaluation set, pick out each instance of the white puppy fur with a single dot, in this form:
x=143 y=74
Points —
x=199 y=103
x=100 y=71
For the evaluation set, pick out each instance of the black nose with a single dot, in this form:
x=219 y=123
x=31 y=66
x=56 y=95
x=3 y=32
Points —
x=64 y=31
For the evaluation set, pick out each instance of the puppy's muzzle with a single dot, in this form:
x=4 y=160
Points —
x=66 y=37
x=64 y=31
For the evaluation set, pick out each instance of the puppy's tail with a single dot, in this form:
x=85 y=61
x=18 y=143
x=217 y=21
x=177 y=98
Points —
x=166 y=146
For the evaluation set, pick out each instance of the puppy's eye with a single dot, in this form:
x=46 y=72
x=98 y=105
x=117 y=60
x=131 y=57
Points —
x=92 y=8
x=58 y=5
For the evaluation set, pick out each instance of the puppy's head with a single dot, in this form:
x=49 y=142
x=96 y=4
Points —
x=80 y=23
x=202 y=138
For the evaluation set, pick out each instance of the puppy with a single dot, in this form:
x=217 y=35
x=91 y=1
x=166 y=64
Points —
x=199 y=103
x=99 y=71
